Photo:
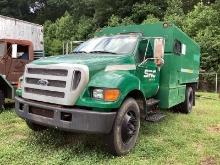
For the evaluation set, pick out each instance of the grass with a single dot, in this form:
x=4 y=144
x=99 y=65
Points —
x=178 y=139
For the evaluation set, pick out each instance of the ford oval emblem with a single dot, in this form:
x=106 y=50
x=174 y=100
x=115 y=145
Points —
x=43 y=82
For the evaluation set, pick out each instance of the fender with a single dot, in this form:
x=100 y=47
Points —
x=7 y=87
x=123 y=80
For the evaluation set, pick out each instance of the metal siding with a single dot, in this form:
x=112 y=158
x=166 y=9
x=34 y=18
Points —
x=11 y=28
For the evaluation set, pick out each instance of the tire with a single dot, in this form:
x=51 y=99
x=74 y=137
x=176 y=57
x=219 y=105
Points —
x=186 y=106
x=2 y=101
x=125 y=130
x=35 y=127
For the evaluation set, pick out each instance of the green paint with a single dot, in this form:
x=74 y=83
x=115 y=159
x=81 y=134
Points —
x=167 y=83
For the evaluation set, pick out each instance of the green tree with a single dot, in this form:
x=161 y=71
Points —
x=150 y=19
x=56 y=33
x=49 y=9
x=84 y=29
x=104 y=9
x=174 y=12
x=141 y=10
x=188 y=5
x=66 y=29
x=16 y=8
x=203 y=25
x=117 y=21
x=114 y=21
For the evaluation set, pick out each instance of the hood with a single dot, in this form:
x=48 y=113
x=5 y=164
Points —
x=93 y=61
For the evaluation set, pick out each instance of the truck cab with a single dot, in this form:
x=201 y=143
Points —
x=108 y=83
x=14 y=55
x=20 y=43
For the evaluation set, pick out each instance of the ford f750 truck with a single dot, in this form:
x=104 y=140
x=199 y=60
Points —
x=111 y=81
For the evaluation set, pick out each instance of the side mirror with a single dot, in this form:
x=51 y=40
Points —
x=14 y=50
x=159 y=44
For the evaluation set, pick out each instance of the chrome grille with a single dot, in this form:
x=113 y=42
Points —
x=53 y=72
x=45 y=92
x=54 y=83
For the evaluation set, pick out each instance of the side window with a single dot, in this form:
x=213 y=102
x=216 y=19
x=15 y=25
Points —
x=177 y=47
x=141 y=50
x=150 y=52
x=23 y=52
x=145 y=50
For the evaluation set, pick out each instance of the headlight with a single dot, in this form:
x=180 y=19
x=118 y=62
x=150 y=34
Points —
x=97 y=93
x=106 y=94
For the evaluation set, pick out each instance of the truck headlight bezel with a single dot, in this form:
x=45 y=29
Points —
x=106 y=94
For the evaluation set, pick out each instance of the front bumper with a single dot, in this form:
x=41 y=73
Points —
x=68 y=119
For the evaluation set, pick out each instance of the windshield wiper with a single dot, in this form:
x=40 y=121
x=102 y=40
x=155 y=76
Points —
x=79 y=52
x=102 y=51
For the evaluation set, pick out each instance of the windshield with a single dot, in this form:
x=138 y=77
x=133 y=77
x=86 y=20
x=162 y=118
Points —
x=119 y=44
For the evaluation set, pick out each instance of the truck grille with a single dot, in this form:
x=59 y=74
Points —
x=53 y=72
x=59 y=84
x=55 y=83
x=45 y=92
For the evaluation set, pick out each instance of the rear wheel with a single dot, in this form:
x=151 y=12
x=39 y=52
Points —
x=125 y=130
x=2 y=100
x=186 y=106
x=35 y=127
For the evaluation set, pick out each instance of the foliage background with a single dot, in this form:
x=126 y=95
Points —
x=78 y=20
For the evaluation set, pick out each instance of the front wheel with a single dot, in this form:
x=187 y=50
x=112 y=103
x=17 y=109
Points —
x=125 y=130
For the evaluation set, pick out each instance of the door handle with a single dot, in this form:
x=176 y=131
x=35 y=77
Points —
x=148 y=59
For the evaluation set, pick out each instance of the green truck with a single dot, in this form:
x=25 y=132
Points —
x=111 y=82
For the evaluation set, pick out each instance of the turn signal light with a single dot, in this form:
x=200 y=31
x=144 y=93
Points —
x=111 y=94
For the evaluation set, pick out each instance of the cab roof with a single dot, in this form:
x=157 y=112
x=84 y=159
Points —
x=169 y=31
x=19 y=42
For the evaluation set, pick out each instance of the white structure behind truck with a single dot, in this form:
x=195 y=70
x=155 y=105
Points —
x=11 y=28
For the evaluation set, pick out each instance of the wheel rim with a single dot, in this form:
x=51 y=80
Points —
x=129 y=126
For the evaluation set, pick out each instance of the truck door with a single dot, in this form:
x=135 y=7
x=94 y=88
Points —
x=148 y=67
x=20 y=57
x=2 y=57
x=6 y=60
